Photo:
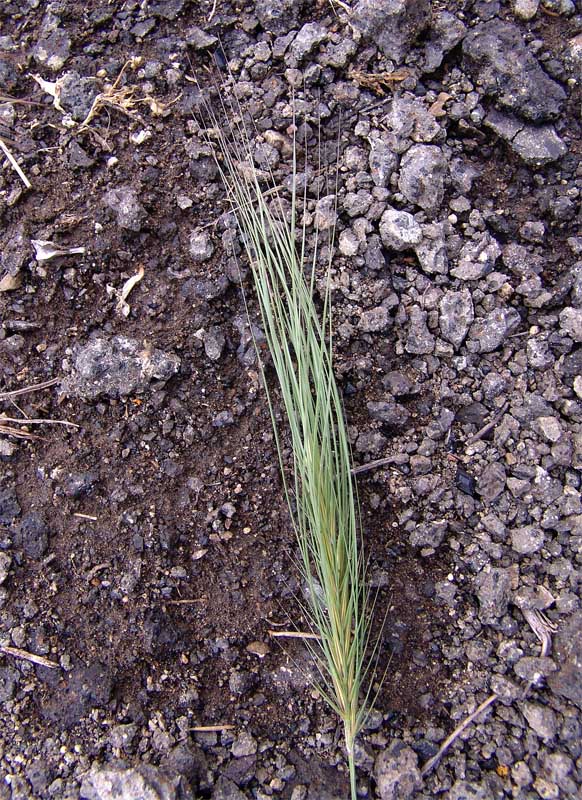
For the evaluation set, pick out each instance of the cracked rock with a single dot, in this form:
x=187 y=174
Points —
x=567 y=681
x=488 y=333
x=493 y=593
x=477 y=258
x=497 y=57
x=420 y=340
x=527 y=540
x=399 y=230
x=200 y=245
x=397 y=773
x=278 y=16
x=394 y=25
x=117 y=367
x=124 y=202
x=144 y=781
x=422 y=176
x=571 y=323
x=456 y=316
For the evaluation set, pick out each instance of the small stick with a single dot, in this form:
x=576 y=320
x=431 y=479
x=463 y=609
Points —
x=40 y=421
x=432 y=762
x=85 y=516
x=8 y=431
x=211 y=728
x=212 y=13
x=486 y=428
x=15 y=165
x=293 y=635
x=25 y=390
x=26 y=656
x=184 y=602
x=380 y=462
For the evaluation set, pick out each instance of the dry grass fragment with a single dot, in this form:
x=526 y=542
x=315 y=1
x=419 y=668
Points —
x=378 y=82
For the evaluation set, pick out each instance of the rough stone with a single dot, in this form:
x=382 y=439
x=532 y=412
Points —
x=489 y=332
x=567 y=682
x=393 y=414
x=125 y=203
x=493 y=592
x=497 y=56
x=309 y=37
x=446 y=31
x=144 y=781
x=200 y=245
x=225 y=789
x=525 y=9
x=397 y=773
x=5 y=564
x=278 y=16
x=456 y=316
x=538 y=145
x=76 y=94
x=409 y=118
x=571 y=323
x=527 y=540
x=383 y=161
x=399 y=230
x=477 y=258
x=491 y=482
x=375 y=319
x=432 y=251
x=422 y=176
x=541 y=719
x=53 y=46
x=394 y=25
x=420 y=340
x=117 y=367
x=9 y=505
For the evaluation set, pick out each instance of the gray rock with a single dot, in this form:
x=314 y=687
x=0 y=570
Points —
x=497 y=57
x=491 y=482
x=567 y=682
x=370 y=442
x=144 y=781
x=382 y=161
x=396 y=771
x=508 y=690
x=527 y=540
x=214 y=341
x=125 y=203
x=393 y=414
x=309 y=37
x=8 y=683
x=538 y=145
x=469 y=790
x=278 y=16
x=398 y=384
x=432 y=250
x=394 y=25
x=456 y=316
x=77 y=94
x=53 y=46
x=541 y=719
x=422 y=176
x=533 y=668
x=549 y=428
x=117 y=367
x=13 y=255
x=409 y=118
x=420 y=340
x=446 y=31
x=325 y=213
x=374 y=320
x=571 y=323
x=225 y=789
x=488 y=333
x=200 y=245
x=201 y=40
x=525 y=9
x=493 y=592
x=399 y=230
x=477 y=258
x=244 y=745
x=429 y=535
x=5 y=564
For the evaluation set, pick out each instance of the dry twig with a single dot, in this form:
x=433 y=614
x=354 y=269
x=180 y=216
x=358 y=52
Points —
x=16 y=652
x=15 y=164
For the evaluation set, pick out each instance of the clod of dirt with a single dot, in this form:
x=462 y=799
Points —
x=85 y=688
x=32 y=535
x=117 y=367
x=9 y=505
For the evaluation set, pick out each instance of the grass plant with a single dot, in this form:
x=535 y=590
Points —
x=321 y=493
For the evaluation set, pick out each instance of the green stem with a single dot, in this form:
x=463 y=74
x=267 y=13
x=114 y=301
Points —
x=351 y=765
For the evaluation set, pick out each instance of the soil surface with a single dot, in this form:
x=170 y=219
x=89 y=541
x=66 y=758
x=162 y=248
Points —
x=146 y=553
